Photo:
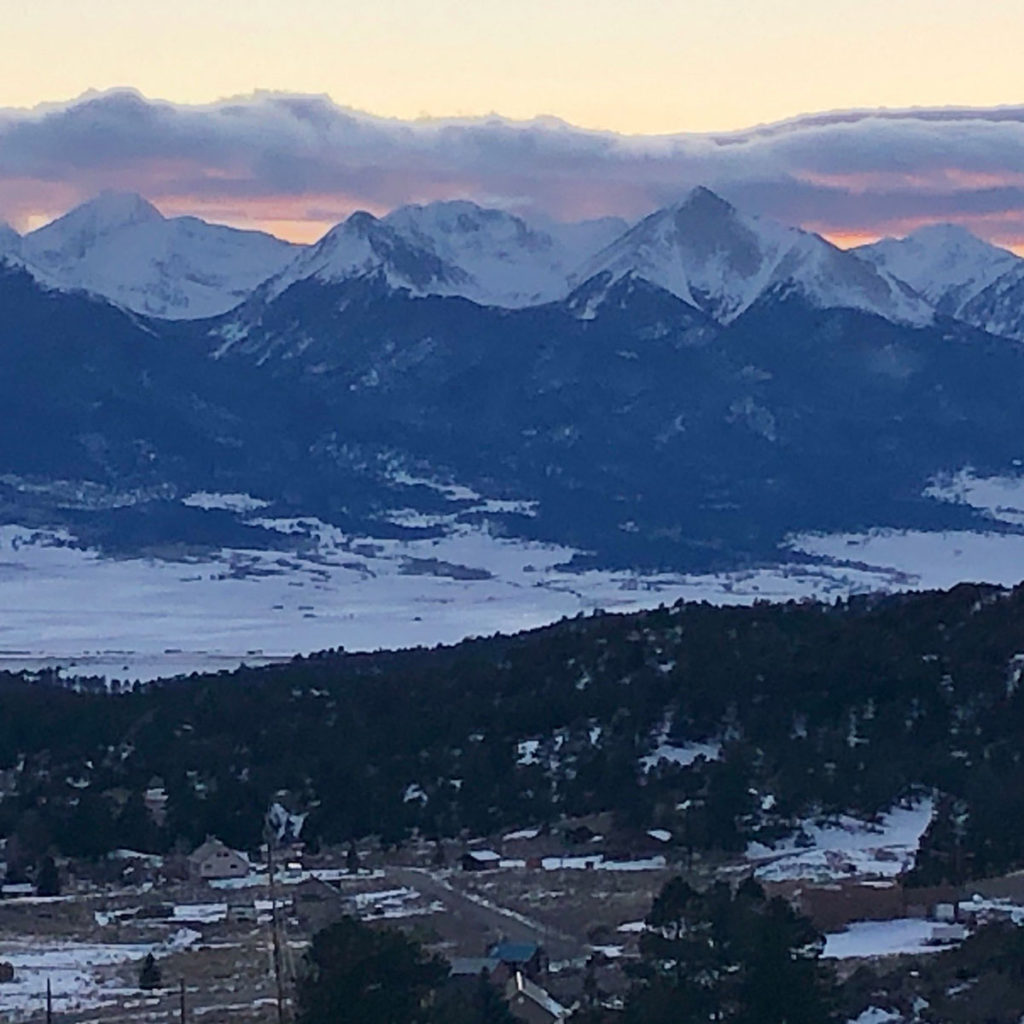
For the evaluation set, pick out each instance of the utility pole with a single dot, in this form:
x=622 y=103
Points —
x=49 y=1003
x=271 y=838
x=181 y=999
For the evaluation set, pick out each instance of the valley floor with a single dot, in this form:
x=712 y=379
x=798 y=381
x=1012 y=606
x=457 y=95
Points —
x=139 y=618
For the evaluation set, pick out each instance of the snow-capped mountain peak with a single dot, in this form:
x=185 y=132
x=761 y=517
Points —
x=507 y=261
x=945 y=263
x=706 y=252
x=121 y=247
x=79 y=230
x=364 y=246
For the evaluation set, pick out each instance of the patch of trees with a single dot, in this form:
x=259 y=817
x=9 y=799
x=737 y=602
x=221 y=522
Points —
x=843 y=707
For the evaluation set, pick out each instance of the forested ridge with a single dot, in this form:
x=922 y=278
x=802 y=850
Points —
x=841 y=707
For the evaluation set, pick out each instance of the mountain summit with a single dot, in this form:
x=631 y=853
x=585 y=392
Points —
x=707 y=253
x=943 y=262
x=121 y=247
x=364 y=246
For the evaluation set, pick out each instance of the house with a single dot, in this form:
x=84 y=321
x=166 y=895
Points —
x=531 y=1004
x=480 y=860
x=524 y=957
x=213 y=860
x=317 y=904
x=243 y=912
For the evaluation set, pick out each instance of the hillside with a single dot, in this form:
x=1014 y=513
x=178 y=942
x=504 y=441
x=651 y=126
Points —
x=794 y=709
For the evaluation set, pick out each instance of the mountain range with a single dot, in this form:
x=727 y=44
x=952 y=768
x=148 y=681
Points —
x=701 y=249
x=685 y=391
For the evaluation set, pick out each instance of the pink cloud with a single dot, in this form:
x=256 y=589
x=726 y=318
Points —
x=299 y=163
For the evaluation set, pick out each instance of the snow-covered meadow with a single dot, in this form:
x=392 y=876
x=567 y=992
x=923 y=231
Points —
x=81 y=975
x=846 y=847
x=139 y=618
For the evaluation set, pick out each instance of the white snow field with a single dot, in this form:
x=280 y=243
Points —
x=881 y=938
x=81 y=975
x=64 y=606
x=140 y=618
x=846 y=847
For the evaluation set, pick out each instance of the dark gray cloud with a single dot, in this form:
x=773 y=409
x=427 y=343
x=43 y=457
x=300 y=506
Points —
x=307 y=158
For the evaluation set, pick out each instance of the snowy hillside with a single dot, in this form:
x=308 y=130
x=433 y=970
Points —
x=10 y=240
x=364 y=246
x=999 y=309
x=712 y=256
x=121 y=247
x=507 y=262
x=452 y=248
x=943 y=262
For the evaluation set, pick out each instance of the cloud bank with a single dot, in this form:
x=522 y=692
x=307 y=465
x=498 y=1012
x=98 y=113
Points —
x=301 y=163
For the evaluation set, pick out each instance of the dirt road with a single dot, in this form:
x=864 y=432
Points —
x=487 y=921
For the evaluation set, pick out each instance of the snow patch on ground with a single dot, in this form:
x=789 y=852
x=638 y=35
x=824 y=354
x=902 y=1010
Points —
x=921 y=560
x=881 y=938
x=845 y=847
x=683 y=755
x=240 y=503
x=999 y=497
x=82 y=975
x=137 y=618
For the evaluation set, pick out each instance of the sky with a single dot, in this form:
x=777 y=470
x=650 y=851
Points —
x=642 y=92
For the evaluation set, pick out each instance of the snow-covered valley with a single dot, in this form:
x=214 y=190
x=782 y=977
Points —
x=140 y=618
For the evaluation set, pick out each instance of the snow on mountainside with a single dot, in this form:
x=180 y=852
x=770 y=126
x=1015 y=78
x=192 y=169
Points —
x=364 y=246
x=999 y=309
x=508 y=262
x=121 y=247
x=10 y=240
x=943 y=262
x=452 y=248
x=722 y=261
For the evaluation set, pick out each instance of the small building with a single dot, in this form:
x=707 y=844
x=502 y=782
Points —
x=318 y=904
x=14 y=890
x=480 y=860
x=214 y=860
x=6 y=972
x=947 y=934
x=531 y=1004
x=243 y=912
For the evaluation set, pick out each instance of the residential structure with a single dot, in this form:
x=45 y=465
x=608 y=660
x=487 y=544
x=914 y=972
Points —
x=214 y=860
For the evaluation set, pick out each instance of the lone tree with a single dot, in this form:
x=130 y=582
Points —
x=363 y=975
x=47 y=878
x=149 y=975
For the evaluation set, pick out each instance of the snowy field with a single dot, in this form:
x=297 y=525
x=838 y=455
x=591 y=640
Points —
x=846 y=847
x=135 y=618
x=881 y=938
x=143 y=618
x=81 y=975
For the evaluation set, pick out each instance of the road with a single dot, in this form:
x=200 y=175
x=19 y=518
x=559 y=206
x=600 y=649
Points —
x=486 y=919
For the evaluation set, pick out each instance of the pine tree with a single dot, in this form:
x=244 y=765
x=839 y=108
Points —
x=48 y=878
x=149 y=976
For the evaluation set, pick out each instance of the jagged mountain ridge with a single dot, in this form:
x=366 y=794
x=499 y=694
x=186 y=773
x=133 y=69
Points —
x=943 y=262
x=706 y=252
x=701 y=249
x=647 y=432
